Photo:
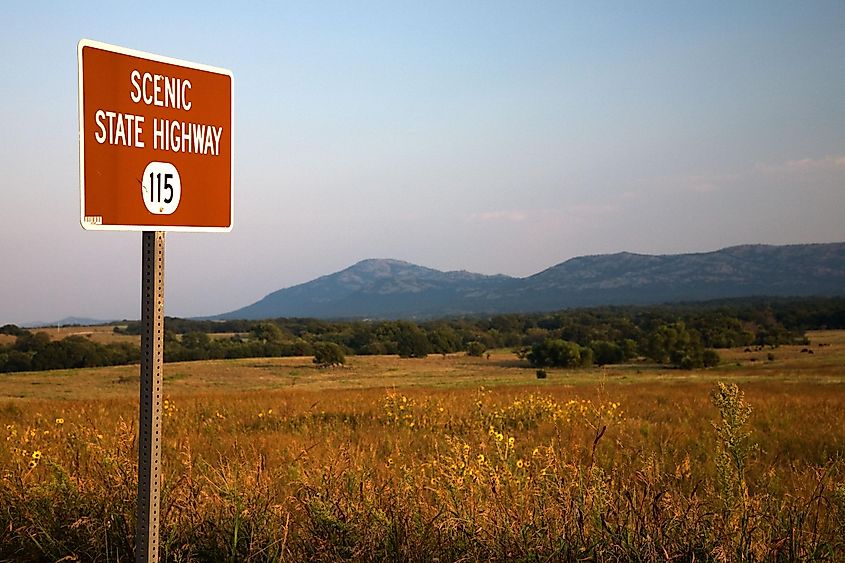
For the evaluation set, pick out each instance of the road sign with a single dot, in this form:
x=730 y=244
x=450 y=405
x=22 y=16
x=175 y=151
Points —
x=155 y=142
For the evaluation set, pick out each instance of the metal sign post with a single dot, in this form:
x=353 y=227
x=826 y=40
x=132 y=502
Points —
x=149 y=419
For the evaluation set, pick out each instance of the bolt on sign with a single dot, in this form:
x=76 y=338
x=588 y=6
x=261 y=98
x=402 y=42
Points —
x=155 y=142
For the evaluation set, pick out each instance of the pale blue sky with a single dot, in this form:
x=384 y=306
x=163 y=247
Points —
x=498 y=137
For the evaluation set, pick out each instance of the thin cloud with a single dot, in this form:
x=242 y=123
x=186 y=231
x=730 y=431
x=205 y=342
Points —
x=678 y=184
x=830 y=162
x=510 y=216
x=704 y=187
x=577 y=211
x=589 y=211
x=719 y=182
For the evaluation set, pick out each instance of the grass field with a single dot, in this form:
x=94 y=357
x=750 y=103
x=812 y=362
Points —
x=448 y=458
x=101 y=334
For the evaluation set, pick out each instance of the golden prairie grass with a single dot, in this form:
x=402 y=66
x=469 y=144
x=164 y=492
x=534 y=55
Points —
x=449 y=458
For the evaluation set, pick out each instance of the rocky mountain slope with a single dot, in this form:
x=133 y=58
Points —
x=396 y=289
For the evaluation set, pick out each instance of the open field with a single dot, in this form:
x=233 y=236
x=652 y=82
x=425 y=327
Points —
x=790 y=365
x=101 y=334
x=452 y=457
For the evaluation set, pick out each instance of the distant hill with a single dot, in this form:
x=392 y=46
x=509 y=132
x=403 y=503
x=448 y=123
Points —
x=377 y=289
x=396 y=289
x=68 y=321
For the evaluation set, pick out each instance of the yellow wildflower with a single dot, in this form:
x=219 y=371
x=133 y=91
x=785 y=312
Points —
x=60 y=421
x=519 y=463
x=36 y=454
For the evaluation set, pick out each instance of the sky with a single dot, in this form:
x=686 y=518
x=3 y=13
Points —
x=495 y=137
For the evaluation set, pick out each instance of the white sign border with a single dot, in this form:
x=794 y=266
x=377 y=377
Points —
x=91 y=226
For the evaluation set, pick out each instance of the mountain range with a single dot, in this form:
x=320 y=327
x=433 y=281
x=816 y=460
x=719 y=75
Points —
x=384 y=289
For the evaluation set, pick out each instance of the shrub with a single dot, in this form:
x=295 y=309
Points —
x=328 y=354
x=733 y=441
x=476 y=349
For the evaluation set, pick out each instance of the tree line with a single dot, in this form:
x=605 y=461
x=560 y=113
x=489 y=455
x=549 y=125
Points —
x=683 y=335
x=35 y=351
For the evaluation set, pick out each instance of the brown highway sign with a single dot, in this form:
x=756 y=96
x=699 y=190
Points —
x=155 y=142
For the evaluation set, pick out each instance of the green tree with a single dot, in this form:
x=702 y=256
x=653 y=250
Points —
x=678 y=345
x=585 y=356
x=629 y=348
x=411 y=341
x=710 y=358
x=197 y=345
x=13 y=330
x=70 y=352
x=196 y=340
x=439 y=342
x=328 y=354
x=15 y=360
x=555 y=352
x=605 y=352
x=476 y=349
x=29 y=342
x=267 y=332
